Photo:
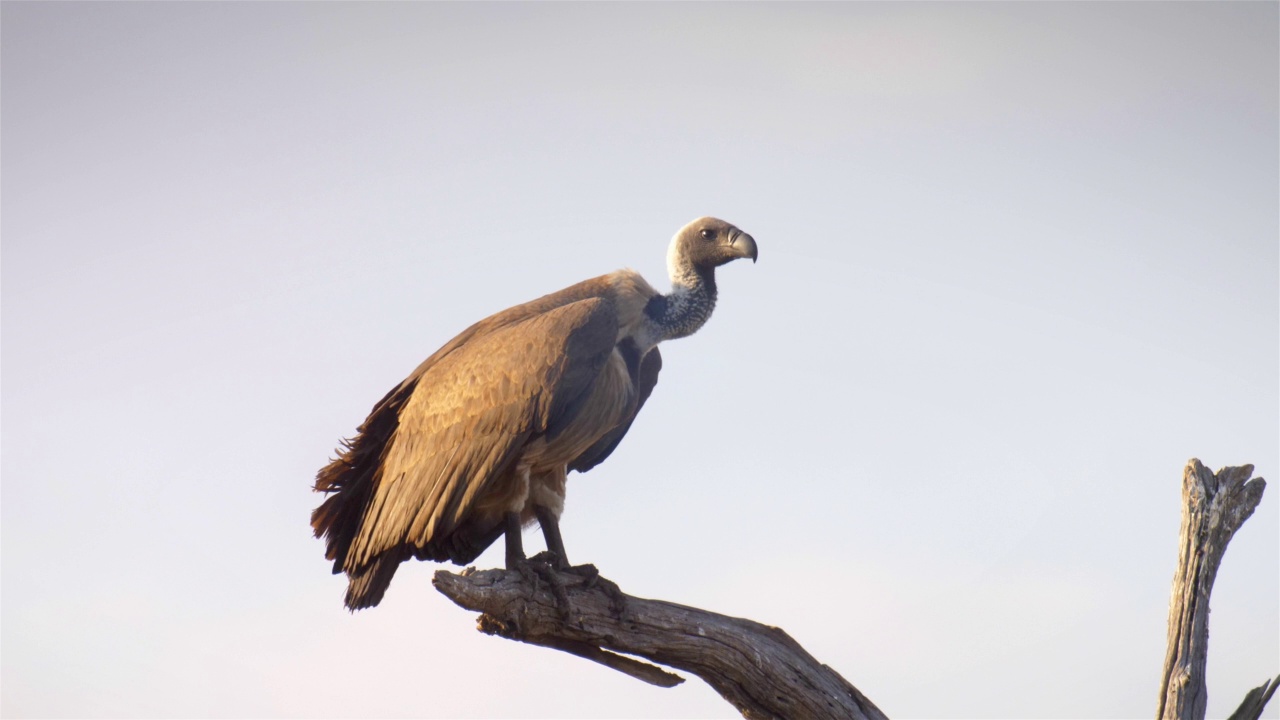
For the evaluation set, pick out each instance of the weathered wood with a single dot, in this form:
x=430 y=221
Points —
x=1214 y=506
x=1256 y=700
x=759 y=669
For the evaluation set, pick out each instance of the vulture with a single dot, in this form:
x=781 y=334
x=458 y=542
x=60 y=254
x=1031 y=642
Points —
x=477 y=442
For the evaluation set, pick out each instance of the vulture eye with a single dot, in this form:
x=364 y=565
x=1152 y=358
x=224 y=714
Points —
x=707 y=234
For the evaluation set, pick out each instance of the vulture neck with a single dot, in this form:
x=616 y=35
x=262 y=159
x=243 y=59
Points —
x=690 y=302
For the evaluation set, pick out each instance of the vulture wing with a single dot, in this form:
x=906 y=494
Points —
x=473 y=407
x=604 y=447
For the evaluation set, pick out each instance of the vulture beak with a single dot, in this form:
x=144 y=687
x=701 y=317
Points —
x=743 y=245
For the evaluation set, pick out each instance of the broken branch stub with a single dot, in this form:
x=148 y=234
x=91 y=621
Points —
x=1214 y=506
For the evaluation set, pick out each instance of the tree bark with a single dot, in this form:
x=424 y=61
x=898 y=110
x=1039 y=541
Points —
x=759 y=669
x=1214 y=506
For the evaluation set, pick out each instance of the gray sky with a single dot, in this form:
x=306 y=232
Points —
x=1018 y=263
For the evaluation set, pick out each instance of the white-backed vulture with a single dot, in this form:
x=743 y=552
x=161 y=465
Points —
x=478 y=440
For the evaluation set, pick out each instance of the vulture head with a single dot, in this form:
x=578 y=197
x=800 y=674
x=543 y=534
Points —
x=704 y=245
x=696 y=251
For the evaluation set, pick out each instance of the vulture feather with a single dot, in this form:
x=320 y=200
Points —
x=478 y=440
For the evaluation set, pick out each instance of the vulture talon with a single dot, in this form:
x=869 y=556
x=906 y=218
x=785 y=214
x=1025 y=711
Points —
x=591 y=578
x=480 y=438
x=588 y=572
x=551 y=577
x=529 y=576
x=548 y=558
x=617 y=599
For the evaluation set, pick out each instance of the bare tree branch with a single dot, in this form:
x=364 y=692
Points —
x=1214 y=506
x=759 y=669
x=1256 y=700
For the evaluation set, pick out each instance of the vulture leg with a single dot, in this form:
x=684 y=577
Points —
x=551 y=531
x=515 y=545
x=532 y=569
x=560 y=561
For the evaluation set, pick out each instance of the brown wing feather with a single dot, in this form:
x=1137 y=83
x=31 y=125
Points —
x=470 y=415
x=646 y=380
x=463 y=427
x=351 y=477
x=595 y=287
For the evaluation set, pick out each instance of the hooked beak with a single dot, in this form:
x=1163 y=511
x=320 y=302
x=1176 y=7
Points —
x=743 y=246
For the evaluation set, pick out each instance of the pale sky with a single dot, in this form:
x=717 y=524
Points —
x=1018 y=263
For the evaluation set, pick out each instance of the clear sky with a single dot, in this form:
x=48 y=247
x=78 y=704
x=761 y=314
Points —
x=1018 y=263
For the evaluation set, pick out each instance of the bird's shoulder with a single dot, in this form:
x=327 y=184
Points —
x=625 y=291
x=630 y=293
x=531 y=347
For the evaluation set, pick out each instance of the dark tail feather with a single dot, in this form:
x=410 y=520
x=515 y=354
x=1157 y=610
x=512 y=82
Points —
x=351 y=477
x=366 y=585
x=338 y=518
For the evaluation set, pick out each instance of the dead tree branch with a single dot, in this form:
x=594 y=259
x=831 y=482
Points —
x=1214 y=506
x=759 y=669
x=1256 y=700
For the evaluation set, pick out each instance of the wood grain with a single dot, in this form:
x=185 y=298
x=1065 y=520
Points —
x=1214 y=506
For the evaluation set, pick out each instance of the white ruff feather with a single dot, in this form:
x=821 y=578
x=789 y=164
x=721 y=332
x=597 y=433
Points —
x=681 y=272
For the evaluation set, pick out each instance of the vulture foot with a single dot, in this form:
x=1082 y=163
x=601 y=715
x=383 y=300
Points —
x=591 y=577
x=537 y=570
x=551 y=559
x=617 y=598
